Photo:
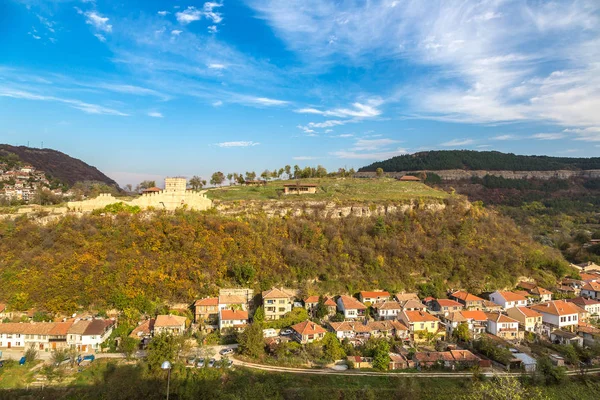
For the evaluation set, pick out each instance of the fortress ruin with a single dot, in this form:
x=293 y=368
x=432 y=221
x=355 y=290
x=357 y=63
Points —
x=175 y=195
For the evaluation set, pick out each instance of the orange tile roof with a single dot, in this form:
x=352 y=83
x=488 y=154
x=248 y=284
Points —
x=145 y=328
x=582 y=301
x=350 y=303
x=588 y=277
x=593 y=286
x=540 y=291
x=388 y=305
x=528 y=312
x=61 y=328
x=557 y=307
x=230 y=315
x=474 y=315
x=409 y=178
x=374 y=294
x=448 y=303
x=308 y=328
x=419 y=316
x=463 y=355
x=169 y=321
x=231 y=299
x=275 y=293
x=413 y=304
x=526 y=285
x=209 y=301
x=465 y=296
x=31 y=328
x=315 y=299
x=407 y=296
x=511 y=296
x=499 y=317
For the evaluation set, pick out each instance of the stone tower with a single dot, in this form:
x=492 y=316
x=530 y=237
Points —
x=175 y=185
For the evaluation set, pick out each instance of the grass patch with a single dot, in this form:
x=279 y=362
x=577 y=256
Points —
x=332 y=189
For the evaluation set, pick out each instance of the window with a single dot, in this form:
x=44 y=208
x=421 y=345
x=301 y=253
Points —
x=422 y=325
x=433 y=325
x=281 y=309
x=281 y=301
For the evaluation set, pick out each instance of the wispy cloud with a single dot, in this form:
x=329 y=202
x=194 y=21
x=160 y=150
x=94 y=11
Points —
x=264 y=101
x=163 y=13
x=155 y=114
x=176 y=32
x=505 y=137
x=100 y=37
x=192 y=14
x=217 y=103
x=88 y=108
x=237 y=144
x=358 y=110
x=548 y=136
x=189 y=15
x=98 y=21
x=457 y=142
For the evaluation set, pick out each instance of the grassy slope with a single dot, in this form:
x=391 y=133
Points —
x=332 y=189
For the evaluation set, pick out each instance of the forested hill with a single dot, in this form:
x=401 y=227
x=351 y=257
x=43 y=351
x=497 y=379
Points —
x=136 y=260
x=480 y=160
x=57 y=165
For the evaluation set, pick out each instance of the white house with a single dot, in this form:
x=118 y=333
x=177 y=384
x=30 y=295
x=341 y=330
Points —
x=388 y=309
x=592 y=306
x=503 y=326
x=233 y=319
x=508 y=299
x=591 y=290
x=88 y=335
x=350 y=307
x=373 y=297
x=558 y=314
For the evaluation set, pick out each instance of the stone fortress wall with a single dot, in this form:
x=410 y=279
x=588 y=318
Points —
x=175 y=195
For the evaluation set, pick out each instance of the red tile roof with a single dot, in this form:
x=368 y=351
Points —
x=474 y=315
x=511 y=296
x=528 y=312
x=276 y=293
x=582 y=301
x=315 y=299
x=144 y=329
x=209 y=301
x=407 y=296
x=448 y=303
x=526 y=285
x=374 y=294
x=557 y=307
x=350 y=303
x=540 y=291
x=499 y=317
x=593 y=286
x=419 y=316
x=169 y=321
x=308 y=328
x=465 y=296
x=388 y=305
x=230 y=315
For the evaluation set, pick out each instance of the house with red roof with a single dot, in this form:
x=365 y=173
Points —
x=308 y=332
x=206 y=311
x=350 y=307
x=373 y=297
x=529 y=320
x=277 y=302
x=592 y=306
x=172 y=324
x=470 y=301
x=311 y=303
x=508 y=299
x=388 y=309
x=591 y=290
x=558 y=314
x=420 y=324
x=503 y=326
x=233 y=320
x=445 y=306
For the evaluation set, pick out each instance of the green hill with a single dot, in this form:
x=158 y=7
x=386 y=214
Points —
x=480 y=160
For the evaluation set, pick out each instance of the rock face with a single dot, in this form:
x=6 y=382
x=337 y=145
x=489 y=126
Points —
x=459 y=174
x=322 y=209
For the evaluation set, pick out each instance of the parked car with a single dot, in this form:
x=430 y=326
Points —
x=226 y=351
x=286 y=332
x=200 y=363
x=191 y=360
x=211 y=363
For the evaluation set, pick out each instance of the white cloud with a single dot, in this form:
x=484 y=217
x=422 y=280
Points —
x=345 y=135
x=98 y=21
x=237 y=144
x=163 y=13
x=100 y=37
x=176 y=32
x=210 y=13
x=590 y=134
x=212 y=29
x=304 y=158
x=548 y=136
x=216 y=66
x=505 y=137
x=372 y=144
x=155 y=114
x=217 y=103
x=457 y=142
x=366 y=109
x=77 y=104
x=189 y=15
x=265 y=101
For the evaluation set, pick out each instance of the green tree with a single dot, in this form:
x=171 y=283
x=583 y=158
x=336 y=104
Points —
x=145 y=185
x=321 y=310
x=242 y=273
x=163 y=347
x=503 y=388
x=381 y=355
x=196 y=182
x=462 y=332
x=259 y=315
x=250 y=175
x=128 y=346
x=217 y=178
x=379 y=172
x=31 y=354
x=288 y=171
x=332 y=348
x=251 y=341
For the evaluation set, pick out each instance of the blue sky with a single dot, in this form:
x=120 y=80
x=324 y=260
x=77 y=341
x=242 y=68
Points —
x=144 y=89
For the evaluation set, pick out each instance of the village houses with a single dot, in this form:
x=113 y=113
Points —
x=470 y=301
x=350 y=307
x=444 y=306
x=529 y=319
x=311 y=302
x=508 y=299
x=592 y=306
x=308 y=332
x=173 y=324
x=206 y=311
x=387 y=310
x=503 y=326
x=420 y=324
x=558 y=314
x=591 y=290
x=373 y=297
x=277 y=303
x=233 y=320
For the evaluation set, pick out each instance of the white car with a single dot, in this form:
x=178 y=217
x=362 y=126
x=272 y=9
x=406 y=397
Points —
x=286 y=332
x=226 y=351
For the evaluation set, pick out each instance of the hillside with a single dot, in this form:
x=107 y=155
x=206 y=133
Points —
x=332 y=189
x=57 y=165
x=140 y=260
x=480 y=160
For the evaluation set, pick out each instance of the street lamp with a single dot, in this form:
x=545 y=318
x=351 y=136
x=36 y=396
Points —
x=167 y=366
